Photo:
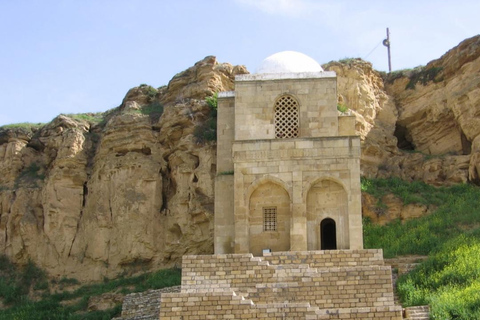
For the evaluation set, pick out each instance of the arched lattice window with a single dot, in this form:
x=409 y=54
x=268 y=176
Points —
x=286 y=118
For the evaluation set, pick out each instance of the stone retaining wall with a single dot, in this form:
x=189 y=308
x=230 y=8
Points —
x=143 y=305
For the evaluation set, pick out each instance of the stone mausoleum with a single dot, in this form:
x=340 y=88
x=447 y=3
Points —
x=288 y=166
x=288 y=229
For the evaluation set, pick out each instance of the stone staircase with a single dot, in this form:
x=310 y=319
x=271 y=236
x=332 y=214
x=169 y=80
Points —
x=278 y=286
x=402 y=265
x=336 y=284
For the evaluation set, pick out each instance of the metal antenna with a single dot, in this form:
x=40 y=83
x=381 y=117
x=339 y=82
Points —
x=386 y=43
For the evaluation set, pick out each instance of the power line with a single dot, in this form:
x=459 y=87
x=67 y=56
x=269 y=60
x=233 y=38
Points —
x=373 y=50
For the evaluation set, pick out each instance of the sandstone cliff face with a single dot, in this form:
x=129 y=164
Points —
x=418 y=125
x=440 y=116
x=135 y=192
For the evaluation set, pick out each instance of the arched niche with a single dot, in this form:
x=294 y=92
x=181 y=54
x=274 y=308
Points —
x=327 y=199
x=269 y=219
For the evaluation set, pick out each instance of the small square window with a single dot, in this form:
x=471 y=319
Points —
x=269 y=218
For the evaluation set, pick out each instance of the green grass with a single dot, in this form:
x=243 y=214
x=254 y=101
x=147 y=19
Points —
x=457 y=211
x=349 y=61
x=449 y=281
x=16 y=284
x=23 y=125
x=90 y=117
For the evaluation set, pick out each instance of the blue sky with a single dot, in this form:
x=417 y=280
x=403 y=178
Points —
x=75 y=56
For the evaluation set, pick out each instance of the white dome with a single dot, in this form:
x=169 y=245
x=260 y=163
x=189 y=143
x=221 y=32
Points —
x=289 y=62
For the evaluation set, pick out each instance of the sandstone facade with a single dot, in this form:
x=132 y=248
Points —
x=294 y=181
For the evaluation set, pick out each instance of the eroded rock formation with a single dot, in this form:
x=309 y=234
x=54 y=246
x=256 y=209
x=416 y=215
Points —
x=420 y=124
x=133 y=193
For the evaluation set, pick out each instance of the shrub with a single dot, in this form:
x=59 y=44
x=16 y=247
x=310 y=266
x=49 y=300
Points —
x=423 y=76
x=207 y=131
x=154 y=110
x=150 y=91
x=342 y=108
x=212 y=101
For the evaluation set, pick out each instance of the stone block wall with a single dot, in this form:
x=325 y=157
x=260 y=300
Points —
x=143 y=305
x=255 y=101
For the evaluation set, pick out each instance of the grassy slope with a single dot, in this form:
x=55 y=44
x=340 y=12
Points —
x=450 y=279
x=17 y=286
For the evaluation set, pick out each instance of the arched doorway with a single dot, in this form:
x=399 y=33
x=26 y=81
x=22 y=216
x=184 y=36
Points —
x=328 y=234
x=327 y=214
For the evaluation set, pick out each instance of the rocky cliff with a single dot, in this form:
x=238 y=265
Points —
x=133 y=190
x=420 y=124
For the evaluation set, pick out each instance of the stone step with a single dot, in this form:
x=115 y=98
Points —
x=417 y=313
x=327 y=258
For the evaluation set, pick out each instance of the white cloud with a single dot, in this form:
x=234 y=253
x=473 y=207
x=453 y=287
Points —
x=294 y=8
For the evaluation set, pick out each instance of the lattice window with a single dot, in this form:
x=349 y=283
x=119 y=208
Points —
x=286 y=118
x=269 y=218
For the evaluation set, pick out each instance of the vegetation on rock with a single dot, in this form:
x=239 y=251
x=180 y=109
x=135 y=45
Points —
x=207 y=131
x=23 y=125
x=27 y=293
x=423 y=75
x=342 y=108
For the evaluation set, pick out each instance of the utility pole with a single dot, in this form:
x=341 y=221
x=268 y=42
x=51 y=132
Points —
x=386 y=43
